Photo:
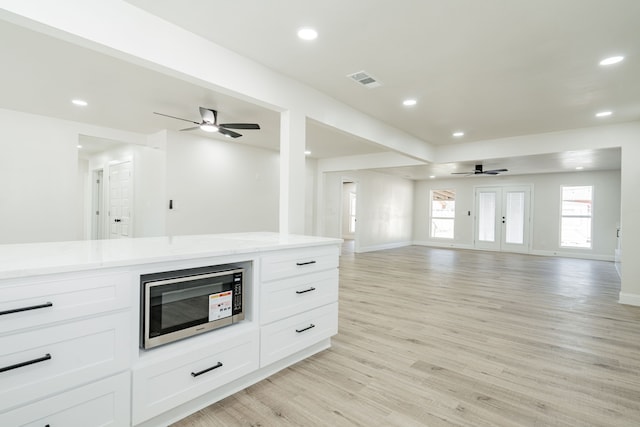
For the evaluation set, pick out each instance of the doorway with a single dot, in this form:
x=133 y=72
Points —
x=502 y=221
x=348 y=217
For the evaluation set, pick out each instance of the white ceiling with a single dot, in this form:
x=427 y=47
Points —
x=590 y=160
x=494 y=69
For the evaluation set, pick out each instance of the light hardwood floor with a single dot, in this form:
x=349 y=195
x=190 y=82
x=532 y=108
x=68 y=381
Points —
x=439 y=337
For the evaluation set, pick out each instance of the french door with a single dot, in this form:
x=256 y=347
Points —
x=502 y=218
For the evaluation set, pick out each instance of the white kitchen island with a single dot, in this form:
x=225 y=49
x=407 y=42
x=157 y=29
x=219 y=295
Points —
x=70 y=326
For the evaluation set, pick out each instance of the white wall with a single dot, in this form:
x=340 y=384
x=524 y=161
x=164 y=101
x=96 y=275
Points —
x=383 y=209
x=630 y=225
x=310 y=217
x=40 y=195
x=220 y=186
x=545 y=210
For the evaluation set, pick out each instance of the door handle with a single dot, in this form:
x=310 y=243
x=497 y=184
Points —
x=311 y=326
x=27 y=363
x=31 y=307
x=117 y=220
x=204 y=371
x=300 y=264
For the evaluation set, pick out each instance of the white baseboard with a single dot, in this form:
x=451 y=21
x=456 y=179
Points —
x=442 y=244
x=580 y=255
x=383 y=247
x=629 y=299
x=596 y=257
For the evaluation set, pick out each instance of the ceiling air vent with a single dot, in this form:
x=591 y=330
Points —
x=364 y=79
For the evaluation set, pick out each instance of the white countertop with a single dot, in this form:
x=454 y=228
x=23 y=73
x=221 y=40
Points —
x=19 y=260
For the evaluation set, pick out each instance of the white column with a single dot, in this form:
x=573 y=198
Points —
x=630 y=224
x=292 y=172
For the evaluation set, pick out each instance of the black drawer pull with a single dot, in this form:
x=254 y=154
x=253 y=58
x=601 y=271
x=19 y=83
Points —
x=27 y=363
x=32 y=307
x=300 y=264
x=306 y=329
x=216 y=366
x=306 y=290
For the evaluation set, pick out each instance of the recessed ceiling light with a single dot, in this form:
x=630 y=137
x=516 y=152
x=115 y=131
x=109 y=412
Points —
x=611 y=60
x=432 y=176
x=79 y=146
x=579 y=168
x=603 y=114
x=307 y=152
x=79 y=102
x=307 y=33
x=409 y=102
x=458 y=134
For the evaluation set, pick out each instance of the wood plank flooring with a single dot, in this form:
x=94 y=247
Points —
x=443 y=337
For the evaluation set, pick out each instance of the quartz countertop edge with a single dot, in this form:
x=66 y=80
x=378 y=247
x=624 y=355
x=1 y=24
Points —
x=21 y=260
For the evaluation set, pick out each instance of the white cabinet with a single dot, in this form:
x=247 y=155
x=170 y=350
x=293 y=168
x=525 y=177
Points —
x=42 y=361
x=298 y=262
x=104 y=403
x=286 y=297
x=171 y=382
x=59 y=334
x=69 y=352
x=298 y=301
x=285 y=337
x=33 y=302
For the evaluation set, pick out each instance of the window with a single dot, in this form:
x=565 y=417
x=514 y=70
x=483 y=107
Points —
x=575 y=224
x=443 y=212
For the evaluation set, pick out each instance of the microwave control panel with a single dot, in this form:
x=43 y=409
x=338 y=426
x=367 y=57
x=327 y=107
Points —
x=237 y=293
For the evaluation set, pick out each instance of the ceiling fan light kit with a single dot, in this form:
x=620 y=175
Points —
x=210 y=124
x=480 y=171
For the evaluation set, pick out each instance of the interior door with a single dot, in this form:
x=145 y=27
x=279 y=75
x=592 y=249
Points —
x=120 y=200
x=502 y=218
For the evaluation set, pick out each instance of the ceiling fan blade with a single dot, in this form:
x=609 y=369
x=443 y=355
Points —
x=174 y=117
x=208 y=115
x=461 y=173
x=193 y=128
x=253 y=126
x=491 y=173
x=498 y=170
x=228 y=132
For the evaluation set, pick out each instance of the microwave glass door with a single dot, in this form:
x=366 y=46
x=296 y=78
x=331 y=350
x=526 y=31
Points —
x=186 y=302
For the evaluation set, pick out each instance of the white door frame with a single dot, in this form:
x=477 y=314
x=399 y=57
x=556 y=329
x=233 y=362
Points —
x=356 y=235
x=499 y=243
x=97 y=213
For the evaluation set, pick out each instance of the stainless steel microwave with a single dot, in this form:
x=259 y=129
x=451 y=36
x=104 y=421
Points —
x=179 y=304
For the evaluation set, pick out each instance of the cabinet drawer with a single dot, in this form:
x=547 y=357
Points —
x=285 y=337
x=45 y=361
x=293 y=263
x=104 y=403
x=25 y=304
x=165 y=384
x=294 y=295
